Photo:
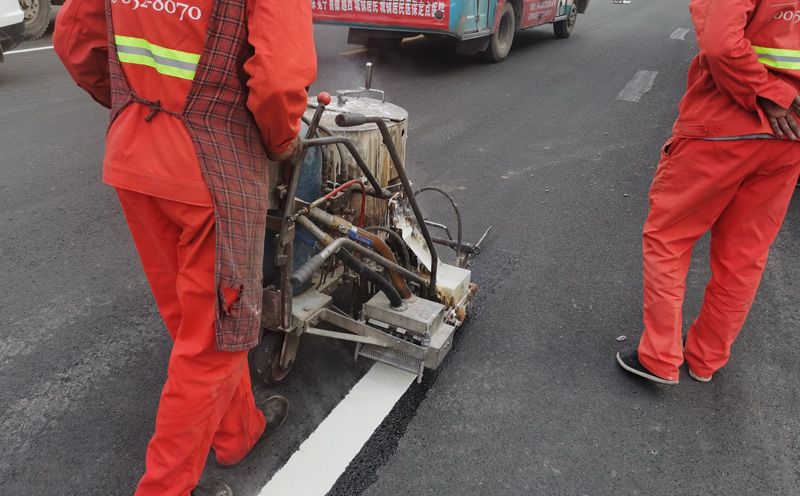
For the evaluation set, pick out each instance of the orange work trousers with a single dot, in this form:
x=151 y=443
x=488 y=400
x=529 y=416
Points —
x=207 y=400
x=739 y=190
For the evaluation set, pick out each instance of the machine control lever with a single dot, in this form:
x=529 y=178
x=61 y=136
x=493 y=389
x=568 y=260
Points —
x=368 y=76
x=284 y=251
x=341 y=95
x=289 y=207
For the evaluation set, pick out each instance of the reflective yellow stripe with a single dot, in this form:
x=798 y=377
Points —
x=777 y=51
x=780 y=58
x=164 y=60
x=192 y=58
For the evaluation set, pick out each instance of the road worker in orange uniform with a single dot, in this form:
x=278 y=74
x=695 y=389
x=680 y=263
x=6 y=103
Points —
x=730 y=167
x=202 y=93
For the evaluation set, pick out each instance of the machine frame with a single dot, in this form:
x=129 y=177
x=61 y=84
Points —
x=413 y=331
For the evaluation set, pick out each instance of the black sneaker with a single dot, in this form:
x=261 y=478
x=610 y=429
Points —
x=275 y=409
x=628 y=359
x=212 y=489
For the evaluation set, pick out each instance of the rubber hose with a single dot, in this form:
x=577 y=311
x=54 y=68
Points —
x=396 y=237
x=372 y=276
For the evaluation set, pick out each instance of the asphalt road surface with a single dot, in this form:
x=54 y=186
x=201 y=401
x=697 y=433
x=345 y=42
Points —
x=555 y=149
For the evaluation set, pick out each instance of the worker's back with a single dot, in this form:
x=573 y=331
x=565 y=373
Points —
x=725 y=105
x=159 y=43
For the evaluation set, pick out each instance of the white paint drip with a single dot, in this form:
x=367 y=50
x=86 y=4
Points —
x=679 y=34
x=324 y=456
x=638 y=86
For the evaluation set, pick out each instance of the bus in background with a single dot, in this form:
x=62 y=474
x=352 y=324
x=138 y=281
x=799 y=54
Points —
x=479 y=26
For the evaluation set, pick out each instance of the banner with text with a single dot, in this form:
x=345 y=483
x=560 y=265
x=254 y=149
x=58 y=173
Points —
x=432 y=14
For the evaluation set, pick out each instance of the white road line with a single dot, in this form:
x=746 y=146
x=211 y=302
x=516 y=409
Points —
x=679 y=33
x=30 y=50
x=638 y=86
x=324 y=456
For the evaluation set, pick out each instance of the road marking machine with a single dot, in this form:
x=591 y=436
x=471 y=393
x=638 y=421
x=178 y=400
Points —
x=345 y=222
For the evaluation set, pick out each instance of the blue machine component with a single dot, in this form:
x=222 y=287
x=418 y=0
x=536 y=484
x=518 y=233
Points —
x=359 y=238
x=308 y=189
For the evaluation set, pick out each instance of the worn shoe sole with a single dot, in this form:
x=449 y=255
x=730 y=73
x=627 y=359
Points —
x=698 y=378
x=646 y=375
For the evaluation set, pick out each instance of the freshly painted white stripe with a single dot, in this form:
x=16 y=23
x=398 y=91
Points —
x=679 y=33
x=30 y=50
x=324 y=456
x=638 y=86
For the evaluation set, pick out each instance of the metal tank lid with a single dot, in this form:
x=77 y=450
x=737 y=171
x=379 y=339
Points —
x=363 y=105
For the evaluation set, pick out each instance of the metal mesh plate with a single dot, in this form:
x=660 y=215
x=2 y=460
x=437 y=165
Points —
x=392 y=357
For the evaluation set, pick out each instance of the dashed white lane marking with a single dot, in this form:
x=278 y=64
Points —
x=324 y=456
x=679 y=33
x=30 y=50
x=638 y=86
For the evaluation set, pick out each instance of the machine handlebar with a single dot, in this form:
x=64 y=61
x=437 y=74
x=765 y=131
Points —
x=350 y=119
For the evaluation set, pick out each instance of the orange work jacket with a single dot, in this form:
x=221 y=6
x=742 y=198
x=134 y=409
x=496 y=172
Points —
x=159 y=43
x=748 y=48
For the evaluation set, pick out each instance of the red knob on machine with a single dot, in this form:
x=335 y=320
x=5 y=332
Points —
x=324 y=98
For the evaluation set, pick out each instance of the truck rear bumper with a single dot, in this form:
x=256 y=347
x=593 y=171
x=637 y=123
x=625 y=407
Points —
x=11 y=36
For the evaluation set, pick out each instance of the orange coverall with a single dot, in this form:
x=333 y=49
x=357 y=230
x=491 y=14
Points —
x=722 y=171
x=151 y=160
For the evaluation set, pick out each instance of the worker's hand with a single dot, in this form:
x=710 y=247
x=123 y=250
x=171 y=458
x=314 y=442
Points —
x=796 y=105
x=781 y=119
x=294 y=150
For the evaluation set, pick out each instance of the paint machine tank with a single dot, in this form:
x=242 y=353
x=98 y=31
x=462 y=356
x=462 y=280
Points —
x=367 y=140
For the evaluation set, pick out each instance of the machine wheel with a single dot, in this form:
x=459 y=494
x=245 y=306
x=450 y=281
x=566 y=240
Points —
x=37 y=17
x=500 y=41
x=265 y=358
x=564 y=28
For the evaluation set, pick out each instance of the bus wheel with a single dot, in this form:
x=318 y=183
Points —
x=500 y=42
x=37 y=17
x=563 y=28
